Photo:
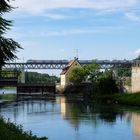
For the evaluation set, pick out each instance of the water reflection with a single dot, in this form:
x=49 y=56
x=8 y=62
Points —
x=135 y=119
x=8 y=90
x=78 y=111
x=79 y=119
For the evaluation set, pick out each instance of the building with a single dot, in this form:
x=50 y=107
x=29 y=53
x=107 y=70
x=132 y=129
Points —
x=64 y=76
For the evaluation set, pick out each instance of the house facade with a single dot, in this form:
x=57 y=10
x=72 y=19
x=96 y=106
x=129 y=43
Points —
x=64 y=76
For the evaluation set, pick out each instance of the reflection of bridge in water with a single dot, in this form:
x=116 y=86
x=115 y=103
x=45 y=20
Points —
x=76 y=113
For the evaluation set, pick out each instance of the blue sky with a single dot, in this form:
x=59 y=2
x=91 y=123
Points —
x=55 y=29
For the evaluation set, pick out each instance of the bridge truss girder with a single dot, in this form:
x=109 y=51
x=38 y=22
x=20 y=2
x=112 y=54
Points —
x=25 y=66
x=19 y=66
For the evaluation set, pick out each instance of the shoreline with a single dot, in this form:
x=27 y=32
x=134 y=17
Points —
x=131 y=99
x=15 y=132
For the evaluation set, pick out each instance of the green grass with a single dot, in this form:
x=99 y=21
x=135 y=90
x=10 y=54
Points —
x=128 y=99
x=120 y=98
x=10 y=131
x=8 y=97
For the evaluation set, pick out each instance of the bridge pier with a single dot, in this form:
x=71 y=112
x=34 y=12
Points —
x=135 y=80
x=23 y=76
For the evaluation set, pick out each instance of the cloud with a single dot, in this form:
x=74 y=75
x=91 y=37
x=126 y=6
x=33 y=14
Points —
x=132 y=16
x=41 y=6
x=55 y=16
x=79 y=31
x=137 y=52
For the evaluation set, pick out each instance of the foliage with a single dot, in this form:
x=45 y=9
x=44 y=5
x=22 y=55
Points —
x=7 y=73
x=92 y=71
x=8 y=96
x=106 y=83
x=102 y=81
x=10 y=131
x=8 y=47
x=132 y=99
x=34 y=77
x=127 y=81
x=124 y=72
x=77 y=75
x=87 y=72
x=128 y=99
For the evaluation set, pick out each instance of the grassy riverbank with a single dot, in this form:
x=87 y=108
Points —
x=9 y=131
x=10 y=97
x=125 y=99
x=128 y=99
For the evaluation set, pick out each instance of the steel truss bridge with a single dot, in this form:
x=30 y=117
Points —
x=60 y=64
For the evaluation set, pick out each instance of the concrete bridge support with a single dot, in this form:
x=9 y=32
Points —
x=135 y=79
x=23 y=76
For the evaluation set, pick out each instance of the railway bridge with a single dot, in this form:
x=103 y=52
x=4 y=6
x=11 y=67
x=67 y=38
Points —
x=60 y=64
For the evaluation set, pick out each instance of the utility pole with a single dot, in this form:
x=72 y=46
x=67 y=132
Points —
x=76 y=54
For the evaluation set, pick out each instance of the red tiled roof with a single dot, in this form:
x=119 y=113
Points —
x=68 y=66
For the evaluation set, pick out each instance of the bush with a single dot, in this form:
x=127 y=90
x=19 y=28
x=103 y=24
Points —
x=10 y=131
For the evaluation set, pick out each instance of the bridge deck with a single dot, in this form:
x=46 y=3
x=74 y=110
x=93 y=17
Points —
x=60 y=64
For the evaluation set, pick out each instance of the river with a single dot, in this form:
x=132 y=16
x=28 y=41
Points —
x=8 y=90
x=62 y=118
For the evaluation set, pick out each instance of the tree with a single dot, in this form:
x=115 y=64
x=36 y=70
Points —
x=77 y=75
x=92 y=71
x=106 y=83
x=88 y=72
x=124 y=72
x=8 y=47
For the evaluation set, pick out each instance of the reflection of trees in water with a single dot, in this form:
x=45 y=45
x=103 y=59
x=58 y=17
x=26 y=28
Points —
x=97 y=112
x=109 y=113
x=77 y=111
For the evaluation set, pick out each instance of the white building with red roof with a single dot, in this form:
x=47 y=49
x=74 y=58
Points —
x=64 y=76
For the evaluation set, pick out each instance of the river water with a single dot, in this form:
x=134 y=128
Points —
x=8 y=90
x=62 y=118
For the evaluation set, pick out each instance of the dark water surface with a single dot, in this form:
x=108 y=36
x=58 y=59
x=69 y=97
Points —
x=61 y=118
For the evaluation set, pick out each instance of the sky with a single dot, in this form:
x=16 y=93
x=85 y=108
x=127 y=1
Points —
x=64 y=29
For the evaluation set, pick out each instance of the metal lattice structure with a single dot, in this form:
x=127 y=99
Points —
x=19 y=66
x=60 y=64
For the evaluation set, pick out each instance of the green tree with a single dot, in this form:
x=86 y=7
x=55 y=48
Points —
x=106 y=83
x=8 y=47
x=34 y=77
x=102 y=81
x=124 y=72
x=92 y=71
x=77 y=75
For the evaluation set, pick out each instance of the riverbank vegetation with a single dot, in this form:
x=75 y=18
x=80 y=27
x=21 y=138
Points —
x=35 y=77
x=128 y=99
x=103 y=82
x=106 y=83
x=132 y=99
x=10 y=131
x=9 y=97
